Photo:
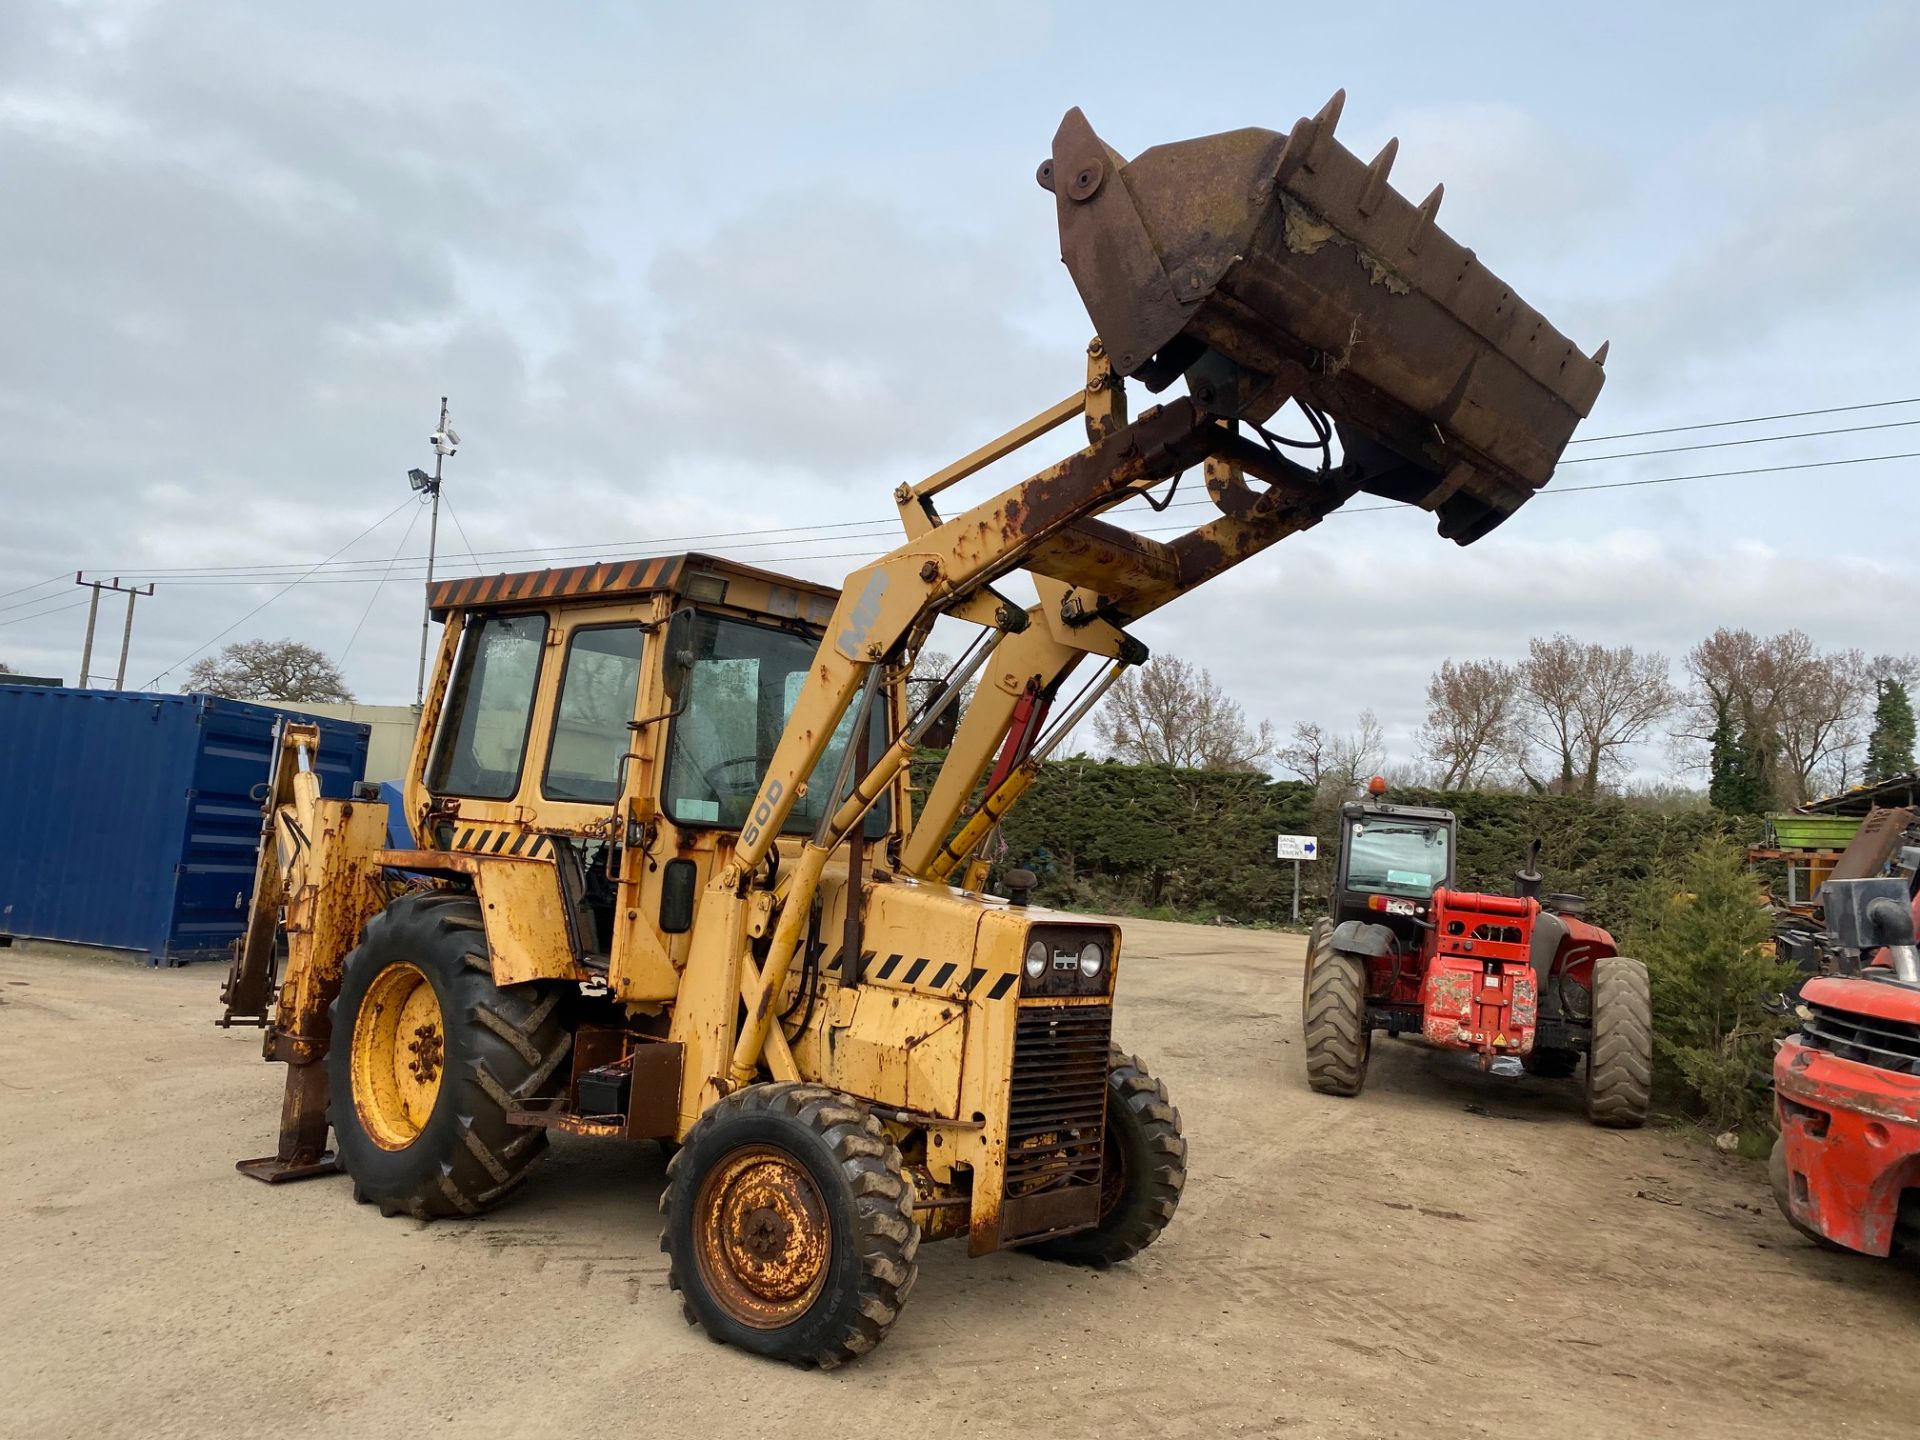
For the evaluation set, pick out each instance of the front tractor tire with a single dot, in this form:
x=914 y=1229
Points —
x=1143 y=1170
x=789 y=1225
x=1620 y=1058
x=427 y=1056
x=1339 y=1042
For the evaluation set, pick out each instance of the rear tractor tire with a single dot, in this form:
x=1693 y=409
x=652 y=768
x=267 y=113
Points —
x=1339 y=1042
x=789 y=1226
x=427 y=1056
x=1143 y=1170
x=1620 y=1057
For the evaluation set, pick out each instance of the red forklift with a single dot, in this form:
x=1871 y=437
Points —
x=1846 y=1084
x=1520 y=975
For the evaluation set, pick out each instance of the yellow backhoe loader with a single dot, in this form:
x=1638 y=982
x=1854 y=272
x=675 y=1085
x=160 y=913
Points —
x=670 y=879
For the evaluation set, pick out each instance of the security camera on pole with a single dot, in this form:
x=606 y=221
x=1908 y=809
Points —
x=445 y=441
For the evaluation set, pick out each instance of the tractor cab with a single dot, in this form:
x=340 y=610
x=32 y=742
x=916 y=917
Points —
x=1391 y=860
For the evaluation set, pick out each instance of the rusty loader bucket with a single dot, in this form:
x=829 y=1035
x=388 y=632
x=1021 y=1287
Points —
x=1267 y=267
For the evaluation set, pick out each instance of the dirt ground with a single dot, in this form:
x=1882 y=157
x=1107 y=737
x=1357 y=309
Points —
x=1449 y=1255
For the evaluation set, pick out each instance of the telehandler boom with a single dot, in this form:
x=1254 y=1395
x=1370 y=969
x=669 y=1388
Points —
x=670 y=879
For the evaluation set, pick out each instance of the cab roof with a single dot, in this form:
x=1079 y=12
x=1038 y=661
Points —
x=1356 y=809
x=693 y=576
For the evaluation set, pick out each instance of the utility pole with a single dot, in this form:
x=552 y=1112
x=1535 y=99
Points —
x=132 y=592
x=445 y=441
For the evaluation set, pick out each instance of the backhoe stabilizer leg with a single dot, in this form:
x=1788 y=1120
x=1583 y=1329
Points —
x=303 y=1151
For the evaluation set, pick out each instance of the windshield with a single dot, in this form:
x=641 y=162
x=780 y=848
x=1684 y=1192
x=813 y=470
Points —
x=483 y=729
x=1396 y=857
x=741 y=689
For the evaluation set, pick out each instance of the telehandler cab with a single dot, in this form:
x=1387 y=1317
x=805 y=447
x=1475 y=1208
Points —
x=1518 y=975
x=670 y=880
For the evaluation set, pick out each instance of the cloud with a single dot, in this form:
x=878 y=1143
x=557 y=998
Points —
x=1358 y=612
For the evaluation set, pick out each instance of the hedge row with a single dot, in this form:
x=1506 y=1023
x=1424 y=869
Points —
x=1200 y=844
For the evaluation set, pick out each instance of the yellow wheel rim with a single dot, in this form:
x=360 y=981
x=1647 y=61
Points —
x=399 y=1052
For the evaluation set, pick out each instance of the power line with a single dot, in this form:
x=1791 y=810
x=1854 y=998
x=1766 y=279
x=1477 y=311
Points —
x=855 y=529
x=462 y=530
x=278 y=593
x=594 y=546
x=1656 y=480
x=1752 y=440
x=875 y=529
x=1750 y=420
x=36 y=585
x=404 y=537
x=42 y=614
x=1165 y=529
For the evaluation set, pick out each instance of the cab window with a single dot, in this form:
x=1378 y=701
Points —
x=743 y=685
x=590 y=735
x=482 y=742
x=1396 y=857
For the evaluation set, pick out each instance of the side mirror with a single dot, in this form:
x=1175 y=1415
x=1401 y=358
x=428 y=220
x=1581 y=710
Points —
x=677 y=658
x=679 y=881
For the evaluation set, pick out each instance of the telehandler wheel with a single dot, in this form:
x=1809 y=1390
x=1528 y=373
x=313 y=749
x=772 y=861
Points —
x=1550 y=1063
x=1335 y=1020
x=428 y=1053
x=790 y=1227
x=1143 y=1171
x=1319 y=942
x=1620 y=1058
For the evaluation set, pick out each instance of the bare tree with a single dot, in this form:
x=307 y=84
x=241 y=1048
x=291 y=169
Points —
x=1170 y=712
x=1335 y=764
x=1473 y=713
x=283 y=670
x=1805 y=711
x=1584 y=704
x=930 y=671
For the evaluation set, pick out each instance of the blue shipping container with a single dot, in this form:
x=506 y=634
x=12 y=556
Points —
x=126 y=819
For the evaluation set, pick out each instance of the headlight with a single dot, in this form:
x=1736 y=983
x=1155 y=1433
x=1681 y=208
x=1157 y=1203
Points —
x=1036 y=961
x=1092 y=957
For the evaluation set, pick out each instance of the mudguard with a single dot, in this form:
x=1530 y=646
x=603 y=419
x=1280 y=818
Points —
x=1357 y=937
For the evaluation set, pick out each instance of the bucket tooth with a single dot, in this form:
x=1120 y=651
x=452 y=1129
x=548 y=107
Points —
x=1324 y=124
x=1423 y=218
x=1284 y=265
x=1600 y=355
x=1377 y=174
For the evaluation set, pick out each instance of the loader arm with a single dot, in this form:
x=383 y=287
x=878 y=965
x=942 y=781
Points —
x=1263 y=268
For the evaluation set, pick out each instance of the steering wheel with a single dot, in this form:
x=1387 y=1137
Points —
x=715 y=776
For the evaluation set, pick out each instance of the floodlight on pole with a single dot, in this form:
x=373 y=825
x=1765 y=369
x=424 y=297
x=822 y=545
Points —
x=445 y=441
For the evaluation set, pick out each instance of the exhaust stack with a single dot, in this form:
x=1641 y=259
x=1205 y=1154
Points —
x=1268 y=267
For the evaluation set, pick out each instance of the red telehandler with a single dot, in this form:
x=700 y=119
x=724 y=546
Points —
x=1846 y=1085
x=1498 y=975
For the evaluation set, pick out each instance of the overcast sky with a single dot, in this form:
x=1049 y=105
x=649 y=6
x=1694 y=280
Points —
x=697 y=271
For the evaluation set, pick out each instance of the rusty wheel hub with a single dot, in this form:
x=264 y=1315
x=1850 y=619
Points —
x=762 y=1238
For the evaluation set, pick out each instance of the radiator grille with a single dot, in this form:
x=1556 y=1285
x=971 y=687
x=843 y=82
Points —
x=1888 y=1044
x=1057 y=1105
